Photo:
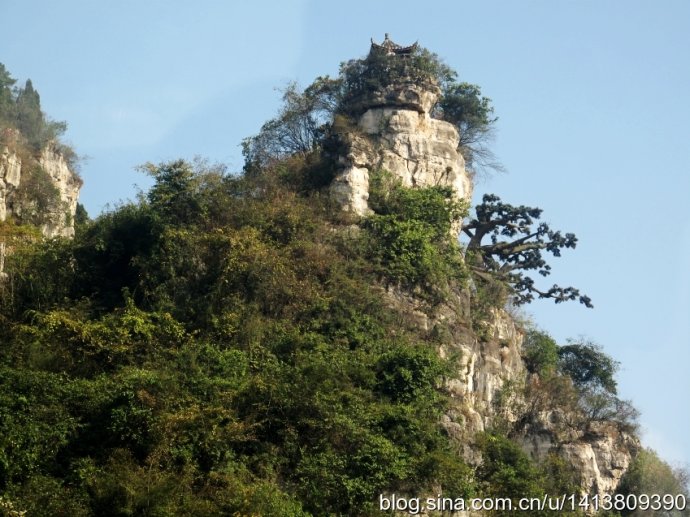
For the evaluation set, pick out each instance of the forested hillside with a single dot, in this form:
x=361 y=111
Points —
x=226 y=344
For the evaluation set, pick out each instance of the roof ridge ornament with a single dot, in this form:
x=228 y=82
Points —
x=389 y=48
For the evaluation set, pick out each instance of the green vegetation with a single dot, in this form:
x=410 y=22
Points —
x=649 y=475
x=223 y=345
x=587 y=365
x=20 y=108
x=507 y=472
x=578 y=378
x=540 y=353
x=311 y=120
x=409 y=235
x=380 y=70
x=220 y=347
x=210 y=345
x=463 y=105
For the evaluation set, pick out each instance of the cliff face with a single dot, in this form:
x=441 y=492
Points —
x=395 y=132
x=68 y=184
x=491 y=364
x=600 y=451
x=10 y=177
x=63 y=189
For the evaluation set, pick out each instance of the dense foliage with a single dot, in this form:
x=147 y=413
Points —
x=410 y=235
x=650 y=475
x=222 y=345
x=214 y=348
x=20 y=109
x=578 y=378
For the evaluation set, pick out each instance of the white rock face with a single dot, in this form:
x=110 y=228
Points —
x=68 y=185
x=485 y=367
x=10 y=176
x=65 y=181
x=408 y=143
x=601 y=453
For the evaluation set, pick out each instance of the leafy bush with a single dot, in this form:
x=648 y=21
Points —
x=647 y=475
x=506 y=471
x=216 y=348
x=409 y=374
x=410 y=238
x=587 y=365
x=380 y=70
x=540 y=352
x=38 y=197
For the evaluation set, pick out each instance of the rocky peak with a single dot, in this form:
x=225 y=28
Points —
x=393 y=130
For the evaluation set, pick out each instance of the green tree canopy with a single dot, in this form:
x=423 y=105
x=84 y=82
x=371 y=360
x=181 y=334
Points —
x=505 y=242
x=20 y=108
x=587 y=365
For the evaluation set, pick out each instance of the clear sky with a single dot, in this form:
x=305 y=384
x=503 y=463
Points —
x=592 y=95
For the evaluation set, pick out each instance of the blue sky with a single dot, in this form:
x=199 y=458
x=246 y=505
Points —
x=594 y=126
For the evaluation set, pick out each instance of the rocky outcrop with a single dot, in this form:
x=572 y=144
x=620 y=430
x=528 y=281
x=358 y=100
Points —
x=68 y=184
x=10 y=177
x=600 y=452
x=391 y=129
x=486 y=365
x=59 y=219
x=396 y=133
x=487 y=392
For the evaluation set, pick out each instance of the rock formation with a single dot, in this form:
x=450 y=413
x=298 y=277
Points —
x=394 y=131
x=59 y=221
x=10 y=177
x=68 y=185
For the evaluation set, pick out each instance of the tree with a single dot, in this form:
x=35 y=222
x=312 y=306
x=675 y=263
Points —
x=299 y=127
x=649 y=474
x=29 y=116
x=32 y=122
x=587 y=365
x=540 y=353
x=6 y=95
x=463 y=105
x=515 y=246
x=506 y=470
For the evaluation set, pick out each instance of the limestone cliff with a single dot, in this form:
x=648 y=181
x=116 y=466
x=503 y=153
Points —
x=10 y=177
x=489 y=363
x=40 y=190
x=68 y=184
x=393 y=130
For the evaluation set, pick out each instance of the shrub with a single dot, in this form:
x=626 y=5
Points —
x=410 y=237
x=540 y=353
x=587 y=365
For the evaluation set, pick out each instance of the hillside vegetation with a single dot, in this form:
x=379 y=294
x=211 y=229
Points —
x=222 y=346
